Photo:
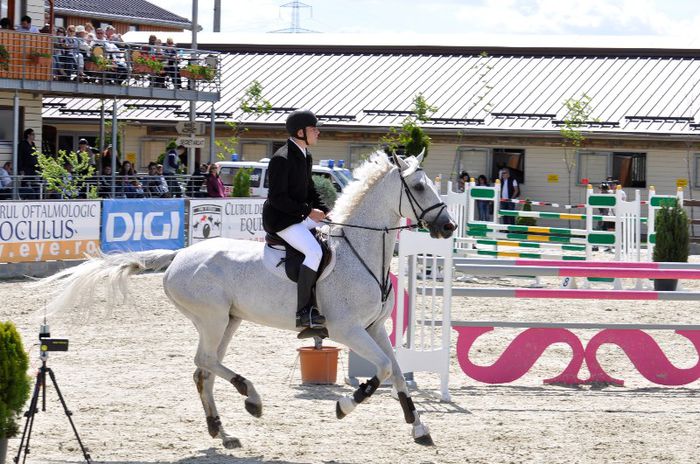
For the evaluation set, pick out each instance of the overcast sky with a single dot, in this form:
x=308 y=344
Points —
x=587 y=17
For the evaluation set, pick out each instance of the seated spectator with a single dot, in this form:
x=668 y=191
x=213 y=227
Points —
x=5 y=24
x=195 y=182
x=25 y=25
x=104 y=186
x=113 y=36
x=215 y=187
x=6 y=181
x=172 y=68
x=156 y=185
x=133 y=189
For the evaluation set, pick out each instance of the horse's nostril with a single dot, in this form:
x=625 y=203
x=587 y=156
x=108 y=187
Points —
x=450 y=226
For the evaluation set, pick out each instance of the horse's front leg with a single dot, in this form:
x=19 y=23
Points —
x=421 y=434
x=357 y=339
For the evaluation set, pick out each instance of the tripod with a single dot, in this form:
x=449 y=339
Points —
x=40 y=386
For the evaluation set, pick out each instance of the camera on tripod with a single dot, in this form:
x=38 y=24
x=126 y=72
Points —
x=46 y=343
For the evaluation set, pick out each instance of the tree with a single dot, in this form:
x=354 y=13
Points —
x=60 y=180
x=14 y=382
x=241 y=183
x=410 y=137
x=252 y=102
x=578 y=115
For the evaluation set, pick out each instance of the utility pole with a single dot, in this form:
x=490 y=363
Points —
x=193 y=104
x=217 y=15
x=295 y=28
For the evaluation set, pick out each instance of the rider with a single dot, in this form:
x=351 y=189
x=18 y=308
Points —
x=293 y=207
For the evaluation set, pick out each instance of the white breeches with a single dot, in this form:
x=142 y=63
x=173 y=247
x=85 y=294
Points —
x=300 y=237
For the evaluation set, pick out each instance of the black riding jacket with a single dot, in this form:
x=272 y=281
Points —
x=291 y=195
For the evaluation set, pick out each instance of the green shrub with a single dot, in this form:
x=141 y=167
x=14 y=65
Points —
x=58 y=179
x=14 y=381
x=241 y=183
x=526 y=221
x=672 y=236
x=325 y=189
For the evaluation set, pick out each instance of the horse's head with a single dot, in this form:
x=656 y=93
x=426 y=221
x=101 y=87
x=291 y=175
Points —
x=420 y=201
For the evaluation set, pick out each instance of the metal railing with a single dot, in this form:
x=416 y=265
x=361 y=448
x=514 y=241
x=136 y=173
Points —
x=107 y=186
x=101 y=62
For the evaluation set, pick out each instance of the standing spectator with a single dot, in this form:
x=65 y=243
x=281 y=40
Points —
x=215 y=187
x=25 y=25
x=483 y=207
x=27 y=162
x=170 y=167
x=462 y=181
x=84 y=147
x=172 y=69
x=104 y=185
x=509 y=191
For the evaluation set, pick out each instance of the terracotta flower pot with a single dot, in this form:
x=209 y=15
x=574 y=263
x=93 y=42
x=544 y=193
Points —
x=141 y=69
x=318 y=366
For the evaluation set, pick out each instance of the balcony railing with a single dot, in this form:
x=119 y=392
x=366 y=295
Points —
x=107 y=186
x=43 y=57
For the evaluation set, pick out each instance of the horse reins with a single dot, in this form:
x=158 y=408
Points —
x=385 y=284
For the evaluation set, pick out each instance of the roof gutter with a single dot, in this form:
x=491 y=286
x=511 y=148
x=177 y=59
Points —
x=155 y=22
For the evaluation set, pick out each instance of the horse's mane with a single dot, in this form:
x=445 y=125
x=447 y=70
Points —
x=368 y=174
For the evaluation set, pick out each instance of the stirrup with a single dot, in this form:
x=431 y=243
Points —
x=310 y=317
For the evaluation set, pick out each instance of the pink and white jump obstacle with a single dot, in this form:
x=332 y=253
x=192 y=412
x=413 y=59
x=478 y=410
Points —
x=526 y=348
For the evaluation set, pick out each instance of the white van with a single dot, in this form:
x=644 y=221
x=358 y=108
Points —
x=259 y=179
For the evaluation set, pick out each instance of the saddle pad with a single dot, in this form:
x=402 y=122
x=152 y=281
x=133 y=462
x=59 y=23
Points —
x=272 y=258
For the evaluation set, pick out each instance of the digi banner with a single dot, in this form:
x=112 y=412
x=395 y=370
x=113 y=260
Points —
x=226 y=217
x=48 y=230
x=137 y=225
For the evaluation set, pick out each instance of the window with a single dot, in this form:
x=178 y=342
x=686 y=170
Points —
x=133 y=27
x=59 y=21
x=489 y=161
x=629 y=169
x=358 y=153
x=254 y=151
x=696 y=179
x=7 y=122
x=227 y=175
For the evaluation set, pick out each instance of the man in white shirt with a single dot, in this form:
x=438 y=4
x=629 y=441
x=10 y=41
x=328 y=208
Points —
x=6 y=181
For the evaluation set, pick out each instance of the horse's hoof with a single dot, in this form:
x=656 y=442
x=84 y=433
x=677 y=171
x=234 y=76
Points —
x=254 y=409
x=339 y=412
x=231 y=443
x=425 y=440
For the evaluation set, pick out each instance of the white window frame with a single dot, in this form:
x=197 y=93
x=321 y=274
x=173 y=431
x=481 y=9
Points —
x=608 y=165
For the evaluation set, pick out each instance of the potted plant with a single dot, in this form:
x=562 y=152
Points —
x=40 y=58
x=14 y=383
x=318 y=363
x=4 y=58
x=96 y=63
x=672 y=241
x=198 y=72
x=147 y=64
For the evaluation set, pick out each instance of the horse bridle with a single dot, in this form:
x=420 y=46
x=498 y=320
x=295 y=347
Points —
x=385 y=283
x=414 y=202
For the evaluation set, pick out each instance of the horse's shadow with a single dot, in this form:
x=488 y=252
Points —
x=209 y=456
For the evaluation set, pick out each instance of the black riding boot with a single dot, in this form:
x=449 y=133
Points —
x=307 y=314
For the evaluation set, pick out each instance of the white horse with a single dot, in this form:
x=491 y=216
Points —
x=218 y=283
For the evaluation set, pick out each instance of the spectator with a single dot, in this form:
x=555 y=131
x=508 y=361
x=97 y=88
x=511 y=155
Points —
x=104 y=185
x=107 y=157
x=509 y=191
x=27 y=162
x=170 y=167
x=156 y=185
x=5 y=24
x=84 y=147
x=113 y=36
x=90 y=30
x=462 y=181
x=483 y=207
x=68 y=190
x=6 y=181
x=25 y=25
x=195 y=182
x=127 y=176
x=172 y=69
x=215 y=187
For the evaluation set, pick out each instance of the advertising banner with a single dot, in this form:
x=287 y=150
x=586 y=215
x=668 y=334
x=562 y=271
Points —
x=48 y=230
x=137 y=225
x=226 y=217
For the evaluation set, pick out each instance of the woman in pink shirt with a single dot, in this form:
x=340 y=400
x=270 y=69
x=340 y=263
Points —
x=215 y=188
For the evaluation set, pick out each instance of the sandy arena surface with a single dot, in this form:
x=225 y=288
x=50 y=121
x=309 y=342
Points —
x=128 y=380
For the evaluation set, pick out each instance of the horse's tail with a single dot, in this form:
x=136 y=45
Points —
x=78 y=283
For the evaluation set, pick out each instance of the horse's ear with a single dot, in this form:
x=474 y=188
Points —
x=420 y=156
x=399 y=162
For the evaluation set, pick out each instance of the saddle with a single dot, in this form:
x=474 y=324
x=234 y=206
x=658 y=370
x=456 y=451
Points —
x=293 y=259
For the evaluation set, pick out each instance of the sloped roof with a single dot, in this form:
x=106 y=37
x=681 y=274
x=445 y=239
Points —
x=137 y=11
x=508 y=92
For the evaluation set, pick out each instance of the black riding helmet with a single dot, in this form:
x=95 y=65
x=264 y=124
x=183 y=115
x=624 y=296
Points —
x=300 y=119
